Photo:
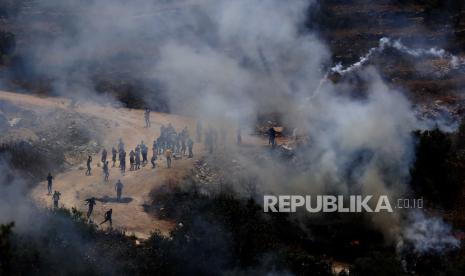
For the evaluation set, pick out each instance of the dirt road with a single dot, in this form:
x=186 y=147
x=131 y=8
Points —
x=124 y=123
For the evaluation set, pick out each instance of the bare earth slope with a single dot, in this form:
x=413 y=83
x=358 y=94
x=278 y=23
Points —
x=75 y=187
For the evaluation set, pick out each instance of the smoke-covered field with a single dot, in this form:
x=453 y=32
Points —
x=248 y=98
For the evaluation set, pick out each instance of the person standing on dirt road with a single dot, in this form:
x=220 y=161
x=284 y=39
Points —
x=154 y=158
x=209 y=140
x=271 y=137
x=137 y=157
x=107 y=217
x=168 y=155
x=120 y=145
x=119 y=189
x=89 y=169
x=190 y=146
x=122 y=162
x=239 y=136
x=56 y=198
x=147 y=118
x=91 y=203
x=106 y=171
x=183 y=146
x=131 y=160
x=104 y=156
x=49 y=183
x=113 y=156
x=144 y=149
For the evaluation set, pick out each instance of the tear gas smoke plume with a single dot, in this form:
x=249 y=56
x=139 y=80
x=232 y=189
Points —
x=387 y=43
x=226 y=61
x=428 y=234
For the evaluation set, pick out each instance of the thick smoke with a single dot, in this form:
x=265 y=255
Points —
x=56 y=235
x=226 y=61
x=218 y=55
x=428 y=234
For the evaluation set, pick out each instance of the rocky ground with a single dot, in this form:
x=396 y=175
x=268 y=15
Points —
x=64 y=134
x=57 y=135
x=72 y=133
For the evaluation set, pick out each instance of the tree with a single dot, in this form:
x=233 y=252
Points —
x=6 y=251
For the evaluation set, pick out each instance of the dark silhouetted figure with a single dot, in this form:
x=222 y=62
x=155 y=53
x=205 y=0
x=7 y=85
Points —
x=144 y=150
x=89 y=169
x=106 y=171
x=239 y=136
x=170 y=129
x=49 y=183
x=122 y=162
x=137 y=157
x=119 y=189
x=147 y=118
x=271 y=136
x=185 y=132
x=183 y=146
x=132 y=160
x=107 y=217
x=209 y=140
x=56 y=198
x=91 y=203
x=120 y=145
x=113 y=156
x=155 y=145
x=190 y=146
x=104 y=156
x=154 y=158
x=177 y=140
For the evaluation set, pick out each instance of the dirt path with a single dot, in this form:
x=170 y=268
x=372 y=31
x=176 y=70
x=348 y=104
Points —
x=128 y=124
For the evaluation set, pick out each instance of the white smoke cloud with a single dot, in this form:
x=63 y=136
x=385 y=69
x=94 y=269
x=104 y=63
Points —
x=428 y=234
x=229 y=60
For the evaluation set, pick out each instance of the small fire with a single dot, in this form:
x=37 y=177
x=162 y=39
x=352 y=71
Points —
x=355 y=243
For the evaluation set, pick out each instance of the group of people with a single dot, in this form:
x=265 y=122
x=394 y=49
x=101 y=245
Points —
x=55 y=195
x=90 y=202
x=179 y=143
x=172 y=144
x=135 y=156
x=211 y=136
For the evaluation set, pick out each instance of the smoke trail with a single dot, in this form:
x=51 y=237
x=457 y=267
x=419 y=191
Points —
x=386 y=43
x=339 y=68
x=454 y=62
